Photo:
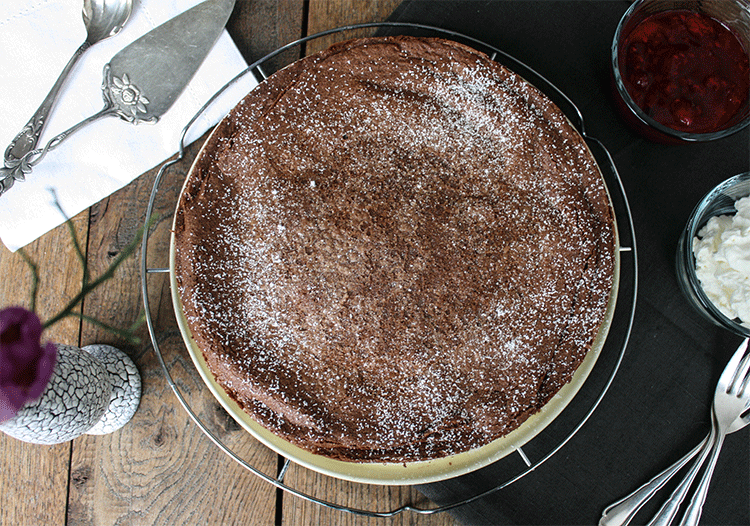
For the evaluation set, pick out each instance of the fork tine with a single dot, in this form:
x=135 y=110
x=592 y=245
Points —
x=730 y=371
x=740 y=376
x=745 y=382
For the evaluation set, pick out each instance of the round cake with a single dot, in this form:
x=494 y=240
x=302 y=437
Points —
x=394 y=250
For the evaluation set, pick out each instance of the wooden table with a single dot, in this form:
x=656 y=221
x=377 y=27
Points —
x=160 y=468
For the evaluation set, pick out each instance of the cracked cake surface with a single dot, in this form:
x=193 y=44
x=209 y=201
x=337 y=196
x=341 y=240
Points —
x=394 y=250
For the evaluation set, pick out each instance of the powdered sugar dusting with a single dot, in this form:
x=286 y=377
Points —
x=408 y=256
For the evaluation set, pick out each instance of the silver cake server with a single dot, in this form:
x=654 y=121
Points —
x=103 y=19
x=142 y=81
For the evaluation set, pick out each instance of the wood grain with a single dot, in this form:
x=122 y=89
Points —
x=160 y=468
x=259 y=27
x=366 y=497
x=34 y=477
x=328 y=15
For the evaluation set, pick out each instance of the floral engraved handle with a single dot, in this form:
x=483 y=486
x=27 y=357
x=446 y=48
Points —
x=26 y=139
x=14 y=169
x=127 y=98
x=122 y=98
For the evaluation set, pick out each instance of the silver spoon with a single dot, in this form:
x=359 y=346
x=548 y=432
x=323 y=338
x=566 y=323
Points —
x=103 y=19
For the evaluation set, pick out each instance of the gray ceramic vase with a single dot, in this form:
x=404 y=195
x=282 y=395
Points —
x=94 y=390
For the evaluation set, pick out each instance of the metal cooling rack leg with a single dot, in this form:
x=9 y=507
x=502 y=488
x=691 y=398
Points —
x=283 y=470
x=259 y=74
x=524 y=457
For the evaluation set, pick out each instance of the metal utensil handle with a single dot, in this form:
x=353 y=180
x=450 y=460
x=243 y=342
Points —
x=668 y=511
x=24 y=166
x=695 y=508
x=28 y=137
x=624 y=510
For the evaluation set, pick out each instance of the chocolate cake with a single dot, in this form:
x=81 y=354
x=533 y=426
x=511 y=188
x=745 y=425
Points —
x=394 y=250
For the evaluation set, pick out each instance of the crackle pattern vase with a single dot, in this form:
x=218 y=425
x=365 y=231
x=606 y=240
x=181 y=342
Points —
x=93 y=390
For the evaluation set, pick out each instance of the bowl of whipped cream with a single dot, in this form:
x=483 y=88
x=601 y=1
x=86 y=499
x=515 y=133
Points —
x=713 y=255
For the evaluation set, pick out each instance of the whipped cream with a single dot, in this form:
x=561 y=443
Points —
x=722 y=260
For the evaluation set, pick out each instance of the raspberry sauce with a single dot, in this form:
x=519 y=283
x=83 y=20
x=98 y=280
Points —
x=686 y=70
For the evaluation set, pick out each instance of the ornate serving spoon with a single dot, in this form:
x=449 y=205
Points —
x=142 y=81
x=103 y=19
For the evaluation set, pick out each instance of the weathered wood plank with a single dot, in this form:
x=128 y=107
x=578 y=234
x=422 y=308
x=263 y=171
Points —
x=324 y=15
x=354 y=495
x=259 y=27
x=34 y=477
x=160 y=469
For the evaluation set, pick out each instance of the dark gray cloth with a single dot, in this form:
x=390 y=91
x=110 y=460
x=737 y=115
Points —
x=657 y=407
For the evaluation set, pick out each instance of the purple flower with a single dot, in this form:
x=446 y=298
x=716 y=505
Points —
x=25 y=364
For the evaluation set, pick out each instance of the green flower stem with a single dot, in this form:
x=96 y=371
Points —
x=34 y=278
x=89 y=286
x=127 y=334
x=76 y=244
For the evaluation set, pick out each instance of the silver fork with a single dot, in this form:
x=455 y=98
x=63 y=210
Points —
x=731 y=400
x=623 y=511
x=728 y=402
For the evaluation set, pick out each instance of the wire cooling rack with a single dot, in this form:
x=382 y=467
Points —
x=565 y=426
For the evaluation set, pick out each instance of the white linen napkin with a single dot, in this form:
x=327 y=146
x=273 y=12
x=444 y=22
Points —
x=37 y=38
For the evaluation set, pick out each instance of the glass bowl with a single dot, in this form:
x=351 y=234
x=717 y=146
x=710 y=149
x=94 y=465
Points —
x=719 y=201
x=734 y=14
